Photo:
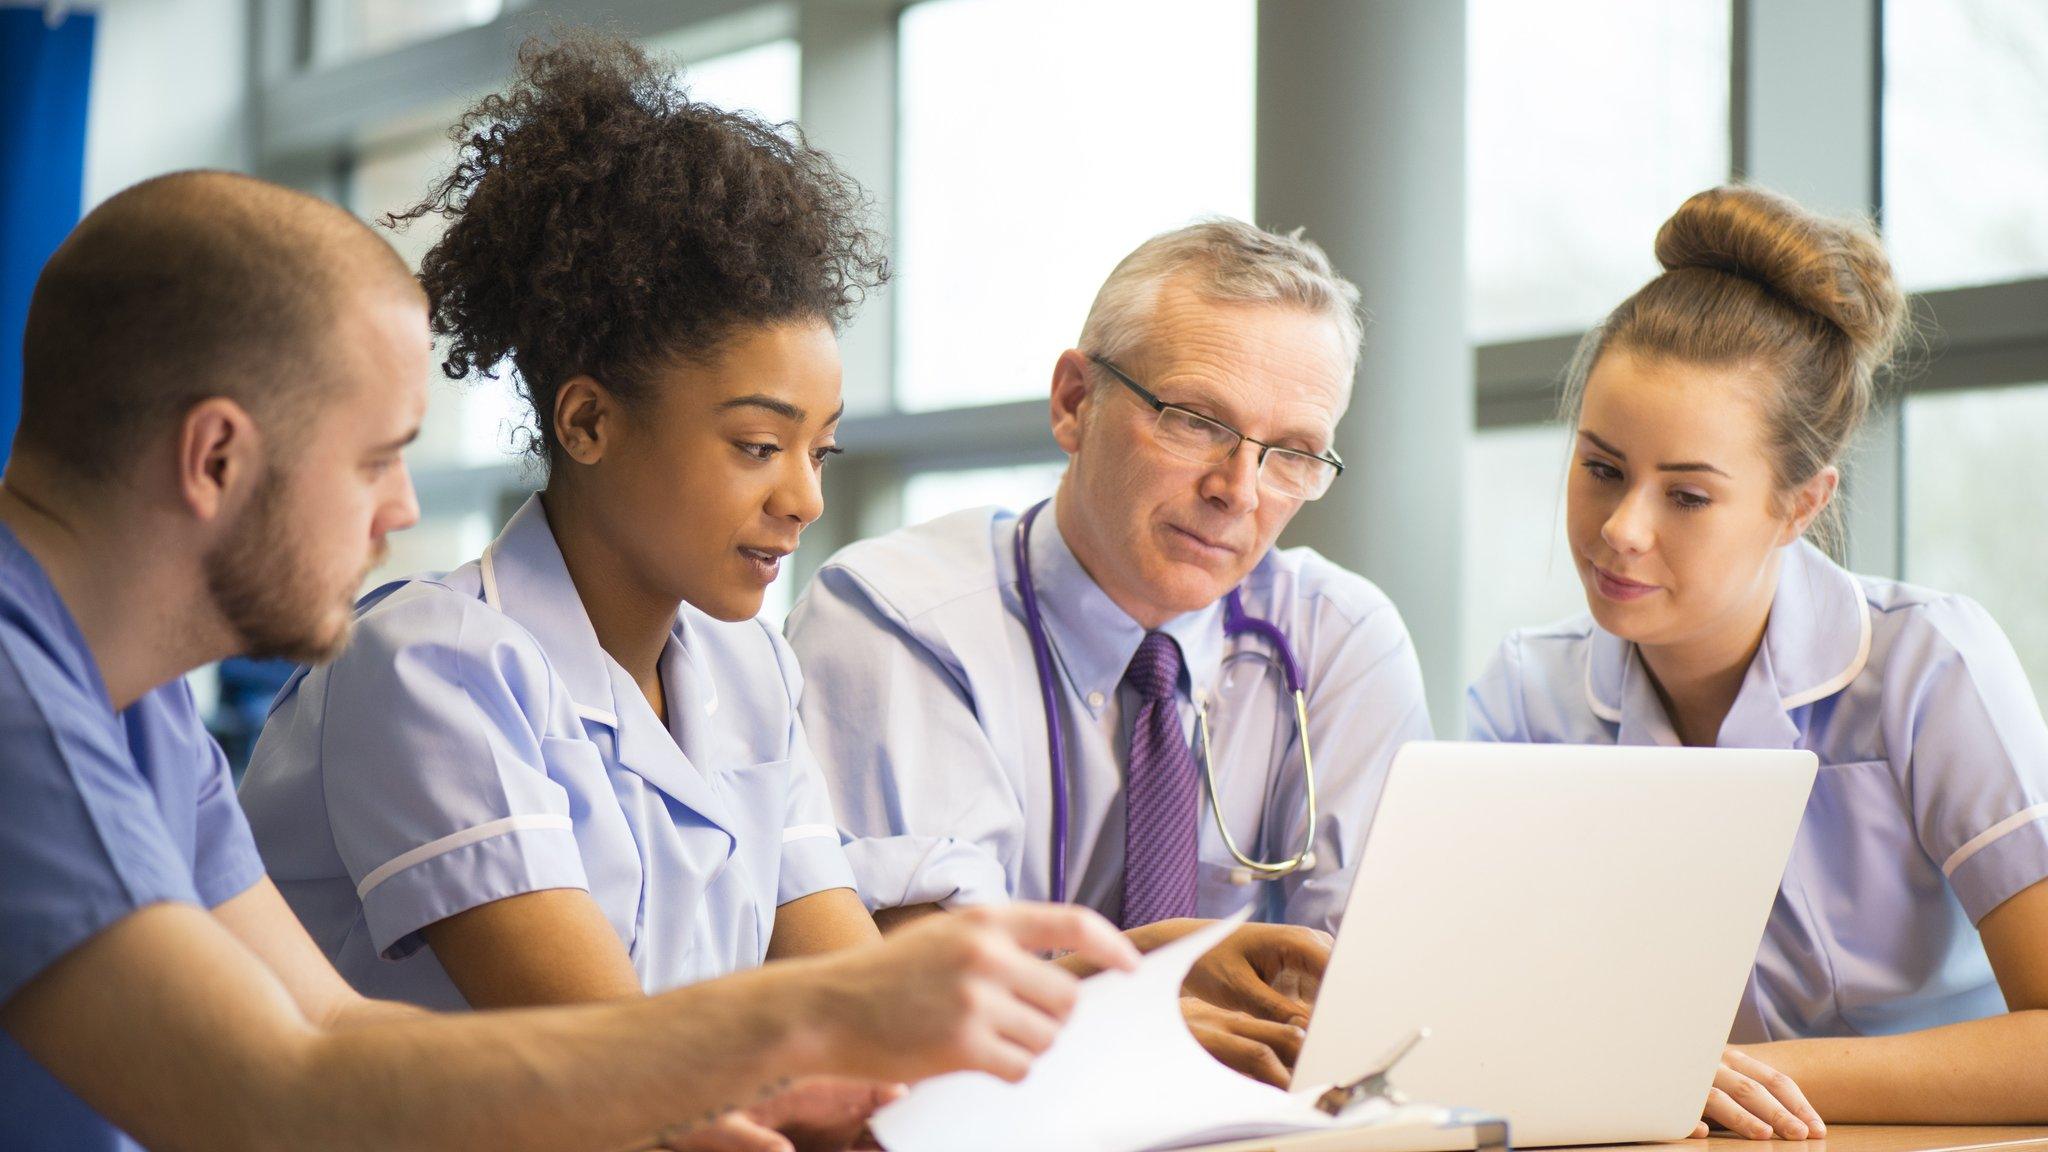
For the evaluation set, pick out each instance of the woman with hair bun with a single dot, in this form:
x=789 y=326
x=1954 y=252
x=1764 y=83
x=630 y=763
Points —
x=1903 y=974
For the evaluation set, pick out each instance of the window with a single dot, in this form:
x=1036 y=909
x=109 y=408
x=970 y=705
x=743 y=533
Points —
x=469 y=424
x=348 y=28
x=1518 y=568
x=929 y=495
x=762 y=80
x=1590 y=121
x=1964 y=153
x=1039 y=144
x=1974 y=505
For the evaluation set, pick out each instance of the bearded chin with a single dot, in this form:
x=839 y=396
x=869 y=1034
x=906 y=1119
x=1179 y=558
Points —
x=270 y=592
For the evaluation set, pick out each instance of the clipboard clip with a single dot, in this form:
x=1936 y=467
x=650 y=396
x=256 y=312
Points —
x=1374 y=1085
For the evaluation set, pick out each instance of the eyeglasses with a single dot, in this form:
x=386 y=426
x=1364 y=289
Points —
x=1191 y=436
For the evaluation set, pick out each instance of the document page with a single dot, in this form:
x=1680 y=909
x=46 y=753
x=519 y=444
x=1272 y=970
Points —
x=1124 y=1075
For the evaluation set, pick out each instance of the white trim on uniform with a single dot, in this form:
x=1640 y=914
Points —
x=1842 y=679
x=1611 y=715
x=809 y=832
x=455 y=840
x=1992 y=835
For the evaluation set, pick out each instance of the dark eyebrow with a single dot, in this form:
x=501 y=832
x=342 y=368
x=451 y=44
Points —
x=1681 y=466
x=401 y=442
x=782 y=408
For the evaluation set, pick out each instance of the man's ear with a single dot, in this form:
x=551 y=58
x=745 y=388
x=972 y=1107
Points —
x=1810 y=500
x=219 y=457
x=585 y=417
x=1071 y=396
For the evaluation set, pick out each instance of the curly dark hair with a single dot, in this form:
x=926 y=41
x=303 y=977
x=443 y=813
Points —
x=602 y=222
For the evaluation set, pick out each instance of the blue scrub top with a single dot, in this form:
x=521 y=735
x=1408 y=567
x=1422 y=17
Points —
x=1930 y=810
x=101 y=813
x=928 y=716
x=474 y=742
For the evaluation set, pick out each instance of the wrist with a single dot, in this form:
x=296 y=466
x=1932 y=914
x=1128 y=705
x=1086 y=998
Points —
x=1159 y=933
x=818 y=1032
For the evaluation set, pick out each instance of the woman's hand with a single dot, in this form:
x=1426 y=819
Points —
x=1270 y=971
x=1754 y=1100
x=1260 y=1049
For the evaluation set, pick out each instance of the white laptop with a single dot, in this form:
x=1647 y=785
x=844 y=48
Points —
x=1574 y=925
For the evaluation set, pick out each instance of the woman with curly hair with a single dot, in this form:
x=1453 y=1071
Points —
x=572 y=769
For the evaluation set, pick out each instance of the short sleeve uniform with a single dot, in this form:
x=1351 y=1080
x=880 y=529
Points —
x=101 y=814
x=474 y=742
x=1930 y=810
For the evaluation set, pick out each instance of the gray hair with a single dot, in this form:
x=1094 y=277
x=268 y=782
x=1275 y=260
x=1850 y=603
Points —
x=1225 y=261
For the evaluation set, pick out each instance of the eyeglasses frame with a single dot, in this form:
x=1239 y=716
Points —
x=1159 y=406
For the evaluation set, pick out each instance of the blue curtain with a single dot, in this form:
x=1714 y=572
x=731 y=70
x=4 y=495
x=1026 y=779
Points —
x=45 y=74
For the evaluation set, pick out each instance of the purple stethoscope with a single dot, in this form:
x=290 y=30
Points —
x=1236 y=622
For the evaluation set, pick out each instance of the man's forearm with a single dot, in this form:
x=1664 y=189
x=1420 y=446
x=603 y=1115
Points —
x=603 y=1077
x=363 y=1012
x=216 y=1056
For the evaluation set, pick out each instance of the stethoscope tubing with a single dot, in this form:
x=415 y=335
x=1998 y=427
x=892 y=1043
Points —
x=1236 y=621
x=1055 y=738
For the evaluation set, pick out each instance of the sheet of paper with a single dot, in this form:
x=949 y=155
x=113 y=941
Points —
x=1124 y=1075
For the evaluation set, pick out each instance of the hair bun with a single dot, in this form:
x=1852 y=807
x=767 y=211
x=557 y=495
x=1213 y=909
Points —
x=1834 y=269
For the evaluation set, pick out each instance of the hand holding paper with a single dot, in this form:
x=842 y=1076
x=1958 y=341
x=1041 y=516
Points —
x=1124 y=1075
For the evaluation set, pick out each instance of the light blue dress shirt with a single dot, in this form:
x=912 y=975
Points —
x=1930 y=810
x=474 y=742
x=927 y=714
x=101 y=813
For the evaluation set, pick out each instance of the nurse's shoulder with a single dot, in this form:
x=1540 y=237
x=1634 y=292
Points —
x=428 y=658
x=1932 y=650
x=434 y=632
x=1534 y=690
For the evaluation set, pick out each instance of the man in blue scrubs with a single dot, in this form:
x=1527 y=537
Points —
x=220 y=376
x=1197 y=416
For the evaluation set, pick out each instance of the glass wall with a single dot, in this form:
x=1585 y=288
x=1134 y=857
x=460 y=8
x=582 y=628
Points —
x=344 y=29
x=1976 y=501
x=1022 y=183
x=1518 y=568
x=1965 y=146
x=929 y=495
x=1589 y=122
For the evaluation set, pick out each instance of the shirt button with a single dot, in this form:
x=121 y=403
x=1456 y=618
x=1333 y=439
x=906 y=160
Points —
x=1095 y=699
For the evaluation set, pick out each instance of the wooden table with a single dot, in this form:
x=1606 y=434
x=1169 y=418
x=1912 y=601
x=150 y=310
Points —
x=1840 y=1138
x=1873 y=1138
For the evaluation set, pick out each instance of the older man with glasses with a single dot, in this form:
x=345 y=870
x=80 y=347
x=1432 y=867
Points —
x=1128 y=697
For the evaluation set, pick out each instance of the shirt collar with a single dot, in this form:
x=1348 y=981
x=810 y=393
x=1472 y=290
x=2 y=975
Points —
x=1816 y=642
x=525 y=577
x=1093 y=640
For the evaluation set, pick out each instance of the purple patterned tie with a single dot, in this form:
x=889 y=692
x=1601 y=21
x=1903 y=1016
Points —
x=1162 y=806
